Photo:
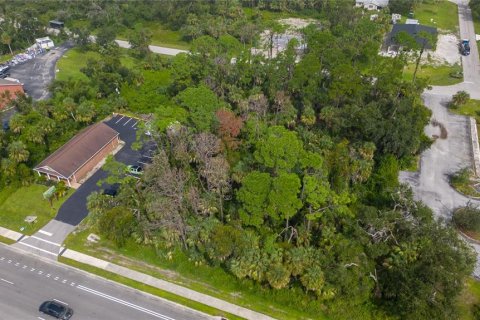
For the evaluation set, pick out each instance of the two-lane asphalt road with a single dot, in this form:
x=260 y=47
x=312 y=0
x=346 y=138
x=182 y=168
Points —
x=25 y=282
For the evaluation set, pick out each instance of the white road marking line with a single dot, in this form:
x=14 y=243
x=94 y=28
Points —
x=29 y=245
x=48 y=275
x=133 y=125
x=125 y=303
x=56 y=278
x=51 y=242
x=45 y=233
x=40 y=318
x=72 y=284
x=147 y=156
x=127 y=122
x=24 y=266
x=120 y=119
x=40 y=272
x=9 y=282
x=9 y=261
x=33 y=269
x=60 y=301
x=2 y=258
x=64 y=281
x=144 y=163
x=17 y=264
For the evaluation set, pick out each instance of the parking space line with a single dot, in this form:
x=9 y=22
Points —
x=133 y=125
x=45 y=232
x=130 y=119
x=120 y=119
x=143 y=163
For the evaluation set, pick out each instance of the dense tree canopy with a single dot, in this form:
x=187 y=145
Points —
x=282 y=170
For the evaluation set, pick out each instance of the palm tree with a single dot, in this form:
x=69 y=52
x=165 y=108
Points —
x=6 y=39
x=17 y=151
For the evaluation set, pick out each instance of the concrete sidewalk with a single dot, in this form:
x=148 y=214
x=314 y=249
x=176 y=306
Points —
x=151 y=281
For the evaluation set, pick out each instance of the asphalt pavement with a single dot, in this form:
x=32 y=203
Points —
x=26 y=282
x=47 y=242
x=37 y=74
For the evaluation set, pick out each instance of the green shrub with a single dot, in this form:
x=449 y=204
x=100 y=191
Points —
x=467 y=218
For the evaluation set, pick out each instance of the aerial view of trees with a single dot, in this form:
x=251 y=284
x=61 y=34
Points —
x=281 y=170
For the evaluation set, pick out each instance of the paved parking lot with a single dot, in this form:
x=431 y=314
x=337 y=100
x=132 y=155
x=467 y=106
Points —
x=74 y=210
x=38 y=73
x=47 y=242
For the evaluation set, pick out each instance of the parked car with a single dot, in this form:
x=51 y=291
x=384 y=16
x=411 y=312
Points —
x=465 y=47
x=56 y=309
x=112 y=192
x=137 y=170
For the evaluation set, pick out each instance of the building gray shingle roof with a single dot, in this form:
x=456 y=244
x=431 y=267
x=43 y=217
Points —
x=412 y=29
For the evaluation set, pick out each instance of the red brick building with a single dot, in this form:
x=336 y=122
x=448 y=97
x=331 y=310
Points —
x=9 y=90
x=77 y=157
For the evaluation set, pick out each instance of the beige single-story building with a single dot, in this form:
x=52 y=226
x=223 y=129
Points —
x=77 y=157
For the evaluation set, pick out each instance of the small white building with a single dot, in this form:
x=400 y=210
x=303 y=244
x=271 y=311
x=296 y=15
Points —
x=45 y=43
x=396 y=17
x=372 y=4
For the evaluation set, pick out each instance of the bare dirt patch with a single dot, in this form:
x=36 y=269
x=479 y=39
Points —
x=445 y=53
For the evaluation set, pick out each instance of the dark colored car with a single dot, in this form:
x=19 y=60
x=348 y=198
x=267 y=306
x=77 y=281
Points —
x=56 y=309
x=111 y=190
x=465 y=47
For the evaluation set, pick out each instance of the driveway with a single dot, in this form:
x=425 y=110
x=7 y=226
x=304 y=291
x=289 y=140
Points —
x=446 y=156
x=47 y=241
x=38 y=73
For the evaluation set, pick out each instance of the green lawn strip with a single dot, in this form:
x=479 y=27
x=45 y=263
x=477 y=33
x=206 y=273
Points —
x=209 y=280
x=444 y=16
x=437 y=75
x=26 y=201
x=5 y=57
x=70 y=64
x=469 y=297
x=146 y=288
x=6 y=240
x=161 y=36
x=471 y=108
x=466 y=189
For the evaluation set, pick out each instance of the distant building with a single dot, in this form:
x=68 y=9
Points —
x=56 y=24
x=411 y=21
x=76 y=158
x=372 y=4
x=45 y=43
x=9 y=89
x=396 y=17
x=413 y=30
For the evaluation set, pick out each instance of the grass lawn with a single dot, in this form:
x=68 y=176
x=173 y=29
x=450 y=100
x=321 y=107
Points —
x=176 y=267
x=16 y=204
x=443 y=15
x=469 y=297
x=161 y=36
x=71 y=62
x=5 y=57
x=149 y=289
x=471 y=108
x=6 y=240
x=438 y=76
x=69 y=65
